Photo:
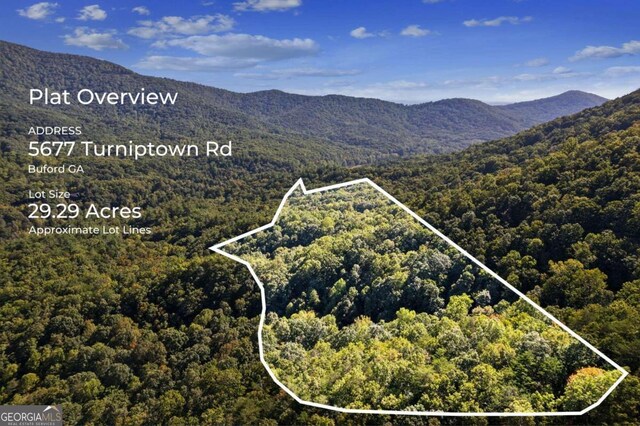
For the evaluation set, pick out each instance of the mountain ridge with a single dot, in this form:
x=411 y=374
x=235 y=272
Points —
x=117 y=329
x=373 y=128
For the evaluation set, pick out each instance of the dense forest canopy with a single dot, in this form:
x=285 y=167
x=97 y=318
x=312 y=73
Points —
x=369 y=309
x=156 y=329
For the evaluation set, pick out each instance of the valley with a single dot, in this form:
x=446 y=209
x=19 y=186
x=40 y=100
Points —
x=156 y=329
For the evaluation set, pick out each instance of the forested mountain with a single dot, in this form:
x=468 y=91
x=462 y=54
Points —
x=554 y=210
x=439 y=126
x=351 y=130
x=547 y=109
x=367 y=308
x=157 y=330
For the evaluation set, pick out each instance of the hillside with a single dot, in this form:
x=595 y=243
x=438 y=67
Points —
x=368 y=308
x=577 y=170
x=547 y=109
x=555 y=210
x=441 y=126
x=156 y=329
x=351 y=130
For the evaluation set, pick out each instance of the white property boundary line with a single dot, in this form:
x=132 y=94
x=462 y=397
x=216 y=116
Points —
x=218 y=249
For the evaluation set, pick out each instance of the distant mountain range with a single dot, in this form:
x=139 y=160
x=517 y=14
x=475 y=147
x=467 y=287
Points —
x=434 y=126
x=354 y=130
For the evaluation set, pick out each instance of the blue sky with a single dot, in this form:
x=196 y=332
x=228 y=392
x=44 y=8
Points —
x=406 y=51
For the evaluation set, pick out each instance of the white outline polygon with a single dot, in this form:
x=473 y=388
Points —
x=299 y=183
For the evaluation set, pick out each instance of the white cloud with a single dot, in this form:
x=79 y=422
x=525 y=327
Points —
x=403 y=91
x=60 y=19
x=401 y=85
x=85 y=37
x=189 y=63
x=175 y=25
x=496 y=81
x=557 y=74
x=621 y=71
x=496 y=22
x=245 y=46
x=361 y=32
x=266 y=5
x=92 y=13
x=141 y=10
x=38 y=11
x=283 y=74
x=432 y=1
x=528 y=77
x=228 y=51
x=415 y=31
x=481 y=82
x=602 y=52
x=561 y=70
x=537 y=62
